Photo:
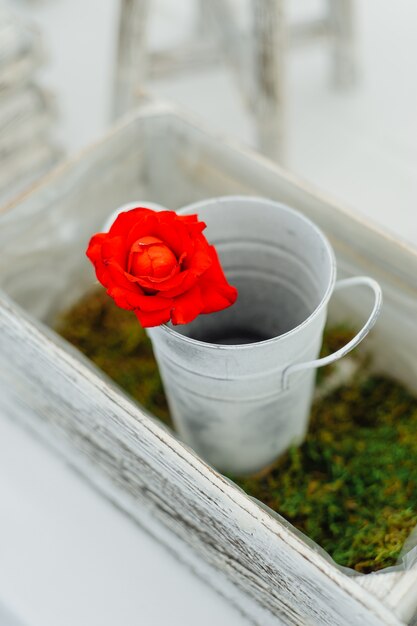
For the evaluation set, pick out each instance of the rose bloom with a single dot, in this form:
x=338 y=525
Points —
x=160 y=265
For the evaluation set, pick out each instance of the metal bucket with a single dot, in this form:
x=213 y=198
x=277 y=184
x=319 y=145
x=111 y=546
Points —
x=239 y=382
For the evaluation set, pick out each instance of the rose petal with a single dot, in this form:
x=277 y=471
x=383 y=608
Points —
x=135 y=300
x=102 y=273
x=176 y=235
x=202 y=257
x=187 y=306
x=94 y=254
x=172 y=237
x=113 y=248
x=118 y=276
x=120 y=296
x=217 y=297
x=154 y=318
x=173 y=286
x=145 y=225
x=188 y=280
x=216 y=292
x=196 y=228
x=94 y=247
x=192 y=217
x=215 y=271
x=167 y=285
x=127 y=219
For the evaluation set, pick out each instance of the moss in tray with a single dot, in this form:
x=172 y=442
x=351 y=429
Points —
x=351 y=486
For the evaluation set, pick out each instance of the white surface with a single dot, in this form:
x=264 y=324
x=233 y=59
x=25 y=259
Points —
x=79 y=560
x=65 y=567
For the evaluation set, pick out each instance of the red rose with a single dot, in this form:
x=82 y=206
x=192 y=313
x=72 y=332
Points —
x=161 y=266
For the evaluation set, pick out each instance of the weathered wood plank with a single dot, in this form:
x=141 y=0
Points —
x=342 y=27
x=132 y=56
x=268 y=98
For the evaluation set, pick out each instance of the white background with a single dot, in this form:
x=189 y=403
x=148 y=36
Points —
x=360 y=146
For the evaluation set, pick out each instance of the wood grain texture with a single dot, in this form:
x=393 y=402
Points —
x=269 y=41
x=156 y=155
x=26 y=115
x=257 y=55
x=132 y=56
x=342 y=30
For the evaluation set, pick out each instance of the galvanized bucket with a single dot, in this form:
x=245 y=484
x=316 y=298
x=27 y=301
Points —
x=239 y=382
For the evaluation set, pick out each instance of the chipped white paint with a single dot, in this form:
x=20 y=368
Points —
x=137 y=463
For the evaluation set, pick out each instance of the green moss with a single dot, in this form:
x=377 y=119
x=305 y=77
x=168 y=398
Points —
x=114 y=340
x=351 y=486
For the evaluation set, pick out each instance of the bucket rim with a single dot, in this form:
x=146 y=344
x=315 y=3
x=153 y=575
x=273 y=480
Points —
x=323 y=302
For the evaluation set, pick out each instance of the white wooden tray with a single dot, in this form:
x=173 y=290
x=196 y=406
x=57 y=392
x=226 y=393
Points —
x=45 y=384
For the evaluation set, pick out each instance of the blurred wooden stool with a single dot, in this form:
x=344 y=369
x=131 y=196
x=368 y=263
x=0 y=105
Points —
x=27 y=110
x=257 y=57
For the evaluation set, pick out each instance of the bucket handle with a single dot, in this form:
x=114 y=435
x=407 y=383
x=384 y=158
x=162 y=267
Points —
x=331 y=358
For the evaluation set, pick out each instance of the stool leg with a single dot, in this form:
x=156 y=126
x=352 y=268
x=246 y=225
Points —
x=342 y=28
x=203 y=18
x=268 y=98
x=131 y=62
